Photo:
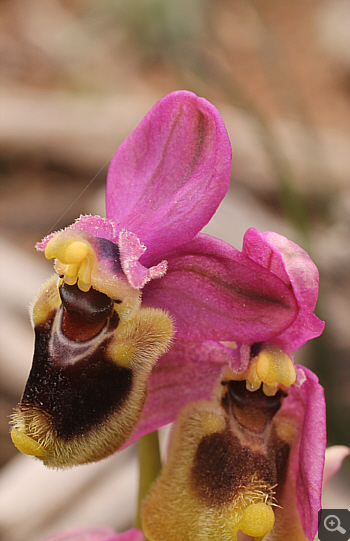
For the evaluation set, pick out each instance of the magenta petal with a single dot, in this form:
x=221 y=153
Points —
x=216 y=293
x=186 y=373
x=168 y=177
x=131 y=250
x=306 y=326
x=293 y=265
x=285 y=259
x=306 y=404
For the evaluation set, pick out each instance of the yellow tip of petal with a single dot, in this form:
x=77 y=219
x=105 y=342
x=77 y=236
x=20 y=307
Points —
x=274 y=366
x=27 y=445
x=258 y=519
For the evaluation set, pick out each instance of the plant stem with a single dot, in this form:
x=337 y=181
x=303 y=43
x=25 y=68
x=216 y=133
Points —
x=149 y=468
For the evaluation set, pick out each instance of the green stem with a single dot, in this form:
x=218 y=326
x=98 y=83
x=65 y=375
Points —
x=149 y=468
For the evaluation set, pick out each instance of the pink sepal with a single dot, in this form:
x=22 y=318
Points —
x=168 y=177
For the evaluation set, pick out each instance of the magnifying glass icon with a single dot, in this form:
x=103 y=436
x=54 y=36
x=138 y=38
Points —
x=332 y=524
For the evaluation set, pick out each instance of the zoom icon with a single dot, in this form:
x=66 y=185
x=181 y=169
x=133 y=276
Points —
x=334 y=525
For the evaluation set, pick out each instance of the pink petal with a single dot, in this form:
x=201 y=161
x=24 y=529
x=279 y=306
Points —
x=131 y=250
x=306 y=326
x=186 y=373
x=168 y=177
x=306 y=405
x=285 y=259
x=334 y=459
x=293 y=265
x=216 y=293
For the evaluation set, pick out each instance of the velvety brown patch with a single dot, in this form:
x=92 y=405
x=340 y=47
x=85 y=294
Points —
x=76 y=396
x=223 y=466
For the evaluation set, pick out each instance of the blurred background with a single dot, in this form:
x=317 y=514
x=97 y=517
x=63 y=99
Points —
x=76 y=78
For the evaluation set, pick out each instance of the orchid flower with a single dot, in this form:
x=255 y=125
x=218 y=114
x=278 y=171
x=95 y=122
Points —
x=96 y=342
x=101 y=376
x=243 y=462
x=253 y=327
x=250 y=459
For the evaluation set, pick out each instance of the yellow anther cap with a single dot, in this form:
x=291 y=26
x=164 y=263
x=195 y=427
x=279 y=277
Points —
x=76 y=258
x=75 y=252
x=67 y=250
x=258 y=519
x=274 y=366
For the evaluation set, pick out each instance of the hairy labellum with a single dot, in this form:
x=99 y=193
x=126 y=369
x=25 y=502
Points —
x=93 y=354
x=226 y=469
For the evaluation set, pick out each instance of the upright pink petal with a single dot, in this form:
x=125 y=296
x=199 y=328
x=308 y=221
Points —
x=294 y=266
x=217 y=293
x=168 y=177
